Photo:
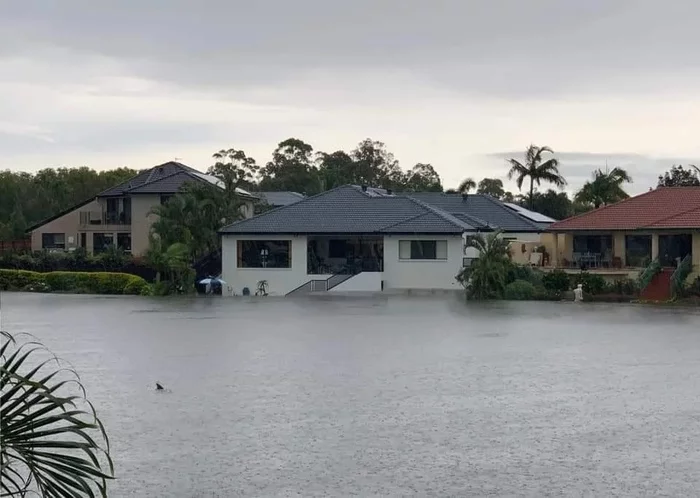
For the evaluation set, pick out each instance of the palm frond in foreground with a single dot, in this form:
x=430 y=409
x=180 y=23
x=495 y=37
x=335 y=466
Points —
x=51 y=443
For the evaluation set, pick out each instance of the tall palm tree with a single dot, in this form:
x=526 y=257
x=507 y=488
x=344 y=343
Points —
x=536 y=170
x=605 y=188
x=467 y=185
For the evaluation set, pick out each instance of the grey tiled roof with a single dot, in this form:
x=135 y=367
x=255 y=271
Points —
x=280 y=198
x=147 y=176
x=348 y=209
x=476 y=208
x=166 y=178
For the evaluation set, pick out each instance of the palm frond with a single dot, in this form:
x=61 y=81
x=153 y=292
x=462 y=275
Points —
x=467 y=185
x=50 y=431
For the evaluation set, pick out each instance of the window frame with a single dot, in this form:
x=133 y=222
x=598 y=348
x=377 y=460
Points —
x=53 y=245
x=240 y=250
x=414 y=242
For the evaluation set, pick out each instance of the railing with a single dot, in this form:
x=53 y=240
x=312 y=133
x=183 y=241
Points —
x=104 y=218
x=680 y=275
x=350 y=268
x=321 y=285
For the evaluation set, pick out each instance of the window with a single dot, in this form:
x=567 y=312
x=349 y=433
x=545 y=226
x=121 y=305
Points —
x=102 y=242
x=422 y=249
x=637 y=250
x=124 y=241
x=264 y=254
x=53 y=240
x=337 y=248
x=164 y=198
x=673 y=248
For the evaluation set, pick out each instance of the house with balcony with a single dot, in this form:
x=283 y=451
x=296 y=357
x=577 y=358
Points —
x=121 y=215
x=357 y=238
x=620 y=239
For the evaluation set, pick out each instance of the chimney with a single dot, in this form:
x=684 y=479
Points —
x=464 y=197
x=388 y=191
x=364 y=188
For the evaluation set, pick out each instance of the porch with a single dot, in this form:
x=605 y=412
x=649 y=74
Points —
x=614 y=251
x=342 y=255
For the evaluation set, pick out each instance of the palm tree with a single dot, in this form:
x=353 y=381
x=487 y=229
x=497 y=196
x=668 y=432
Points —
x=52 y=442
x=536 y=170
x=467 y=185
x=606 y=188
x=486 y=277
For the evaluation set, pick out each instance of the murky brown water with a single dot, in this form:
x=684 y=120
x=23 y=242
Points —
x=383 y=396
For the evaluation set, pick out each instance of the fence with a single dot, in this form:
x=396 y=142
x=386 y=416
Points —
x=15 y=245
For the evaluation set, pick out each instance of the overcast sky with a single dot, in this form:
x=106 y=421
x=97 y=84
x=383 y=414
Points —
x=460 y=84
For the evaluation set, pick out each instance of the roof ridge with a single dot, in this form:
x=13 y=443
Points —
x=279 y=208
x=443 y=214
x=587 y=213
x=149 y=181
x=391 y=225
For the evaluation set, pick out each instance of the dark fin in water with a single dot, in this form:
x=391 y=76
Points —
x=159 y=387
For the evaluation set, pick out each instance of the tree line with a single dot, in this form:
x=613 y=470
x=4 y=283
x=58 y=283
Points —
x=26 y=198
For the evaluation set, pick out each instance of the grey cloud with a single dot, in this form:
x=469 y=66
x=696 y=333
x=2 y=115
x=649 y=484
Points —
x=501 y=47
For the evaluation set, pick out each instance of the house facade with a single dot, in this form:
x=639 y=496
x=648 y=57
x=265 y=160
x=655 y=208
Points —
x=625 y=237
x=355 y=238
x=121 y=216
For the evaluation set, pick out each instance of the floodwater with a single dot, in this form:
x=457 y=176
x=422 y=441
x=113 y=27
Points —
x=383 y=396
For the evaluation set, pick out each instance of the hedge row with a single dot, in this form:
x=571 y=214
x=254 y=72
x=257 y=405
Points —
x=76 y=282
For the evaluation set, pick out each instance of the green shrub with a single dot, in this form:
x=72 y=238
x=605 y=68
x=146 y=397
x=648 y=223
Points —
x=137 y=287
x=66 y=281
x=520 y=290
x=693 y=289
x=19 y=279
x=592 y=283
x=556 y=281
x=162 y=288
x=624 y=287
x=522 y=272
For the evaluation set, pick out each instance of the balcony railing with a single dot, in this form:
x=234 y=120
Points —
x=104 y=218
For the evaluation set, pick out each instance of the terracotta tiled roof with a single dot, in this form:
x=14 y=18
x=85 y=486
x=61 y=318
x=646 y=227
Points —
x=664 y=207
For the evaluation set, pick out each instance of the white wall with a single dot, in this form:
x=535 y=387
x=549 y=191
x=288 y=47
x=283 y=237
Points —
x=362 y=282
x=280 y=280
x=413 y=274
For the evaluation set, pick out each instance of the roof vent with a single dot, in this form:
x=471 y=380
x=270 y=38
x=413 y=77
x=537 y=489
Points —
x=388 y=191
x=160 y=170
x=464 y=197
x=364 y=188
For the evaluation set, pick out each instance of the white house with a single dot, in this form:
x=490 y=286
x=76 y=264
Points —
x=356 y=238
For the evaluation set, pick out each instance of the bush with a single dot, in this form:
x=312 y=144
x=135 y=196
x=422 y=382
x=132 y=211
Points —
x=65 y=281
x=137 y=287
x=522 y=272
x=520 y=290
x=693 y=289
x=78 y=260
x=624 y=287
x=592 y=284
x=556 y=281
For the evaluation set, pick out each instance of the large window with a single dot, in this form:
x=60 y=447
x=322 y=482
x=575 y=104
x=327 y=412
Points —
x=264 y=254
x=101 y=242
x=673 y=248
x=337 y=248
x=124 y=241
x=53 y=240
x=637 y=250
x=422 y=249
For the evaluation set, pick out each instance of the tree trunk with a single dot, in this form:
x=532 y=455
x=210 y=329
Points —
x=532 y=192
